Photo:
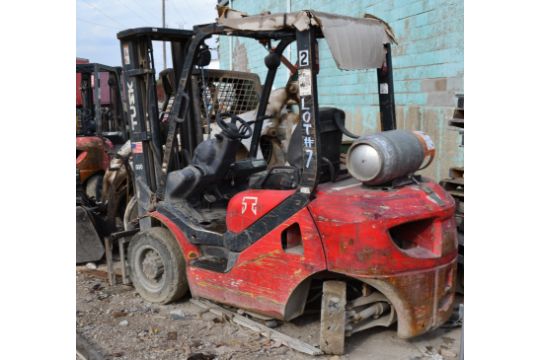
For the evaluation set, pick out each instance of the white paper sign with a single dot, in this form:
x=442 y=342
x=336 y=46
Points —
x=304 y=82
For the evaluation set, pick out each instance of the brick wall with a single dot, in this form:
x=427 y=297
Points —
x=428 y=67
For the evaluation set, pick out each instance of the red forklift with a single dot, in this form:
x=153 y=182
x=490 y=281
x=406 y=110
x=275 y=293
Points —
x=101 y=123
x=369 y=244
x=102 y=176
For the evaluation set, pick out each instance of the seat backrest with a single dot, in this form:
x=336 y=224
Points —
x=211 y=161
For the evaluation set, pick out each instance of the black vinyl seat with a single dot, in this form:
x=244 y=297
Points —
x=332 y=121
x=211 y=161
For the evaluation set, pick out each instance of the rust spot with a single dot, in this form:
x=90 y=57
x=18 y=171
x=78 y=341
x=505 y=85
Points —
x=368 y=253
x=365 y=254
x=449 y=241
x=259 y=259
x=344 y=244
x=420 y=311
x=227 y=289
x=375 y=269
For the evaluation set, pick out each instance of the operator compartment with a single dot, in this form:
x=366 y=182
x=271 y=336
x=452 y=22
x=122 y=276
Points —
x=226 y=186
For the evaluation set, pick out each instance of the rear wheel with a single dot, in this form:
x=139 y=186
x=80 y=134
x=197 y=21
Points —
x=157 y=266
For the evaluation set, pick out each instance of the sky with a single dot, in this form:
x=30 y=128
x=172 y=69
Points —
x=98 y=22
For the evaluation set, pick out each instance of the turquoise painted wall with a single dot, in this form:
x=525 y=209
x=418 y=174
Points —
x=428 y=67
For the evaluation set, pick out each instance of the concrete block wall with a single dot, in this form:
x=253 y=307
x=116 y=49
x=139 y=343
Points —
x=428 y=67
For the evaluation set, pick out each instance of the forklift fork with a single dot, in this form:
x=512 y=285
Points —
x=122 y=238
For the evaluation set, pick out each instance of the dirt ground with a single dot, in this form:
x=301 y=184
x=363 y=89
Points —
x=119 y=324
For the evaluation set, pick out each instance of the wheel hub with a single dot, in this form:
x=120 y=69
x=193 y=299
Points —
x=152 y=265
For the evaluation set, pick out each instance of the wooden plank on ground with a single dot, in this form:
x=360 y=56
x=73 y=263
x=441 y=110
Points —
x=102 y=274
x=275 y=335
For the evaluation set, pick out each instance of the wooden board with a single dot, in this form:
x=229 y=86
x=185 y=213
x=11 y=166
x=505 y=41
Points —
x=334 y=299
x=275 y=335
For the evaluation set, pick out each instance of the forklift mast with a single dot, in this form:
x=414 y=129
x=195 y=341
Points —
x=87 y=114
x=143 y=113
x=92 y=102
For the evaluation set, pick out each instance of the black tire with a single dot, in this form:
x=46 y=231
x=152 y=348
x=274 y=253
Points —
x=93 y=187
x=157 y=266
x=130 y=214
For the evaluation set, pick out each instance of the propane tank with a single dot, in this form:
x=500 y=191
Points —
x=380 y=158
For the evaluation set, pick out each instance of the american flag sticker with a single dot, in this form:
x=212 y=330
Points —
x=136 y=147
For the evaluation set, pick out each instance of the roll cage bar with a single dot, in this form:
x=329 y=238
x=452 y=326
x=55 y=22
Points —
x=152 y=165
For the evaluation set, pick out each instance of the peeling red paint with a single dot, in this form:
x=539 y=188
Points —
x=347 y=234
x=264 y=276
x=373 y=252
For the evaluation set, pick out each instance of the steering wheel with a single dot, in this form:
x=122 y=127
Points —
x=244 y=131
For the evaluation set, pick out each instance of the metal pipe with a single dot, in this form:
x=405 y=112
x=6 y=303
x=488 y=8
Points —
x=289 y=51
x=230 y=43
x=265 y=96
x=164 y=43
x=385 y=82
x=374 y=310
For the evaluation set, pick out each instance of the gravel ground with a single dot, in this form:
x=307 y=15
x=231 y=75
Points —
x=121 y=325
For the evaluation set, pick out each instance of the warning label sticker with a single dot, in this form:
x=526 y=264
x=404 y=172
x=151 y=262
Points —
x=304 y=82
x=125 y=49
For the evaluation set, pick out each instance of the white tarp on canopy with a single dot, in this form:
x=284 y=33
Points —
x=355 y=43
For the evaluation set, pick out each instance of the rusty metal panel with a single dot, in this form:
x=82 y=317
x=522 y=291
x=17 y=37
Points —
x=355 y=223
x=265 y=277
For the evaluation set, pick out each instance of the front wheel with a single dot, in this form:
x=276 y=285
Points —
x=93 y=187
x=157 y=266
x=130 y=214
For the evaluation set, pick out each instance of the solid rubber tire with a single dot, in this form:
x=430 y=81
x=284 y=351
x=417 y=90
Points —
x=93 y=186
x=130 y=214
x=175 y=283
